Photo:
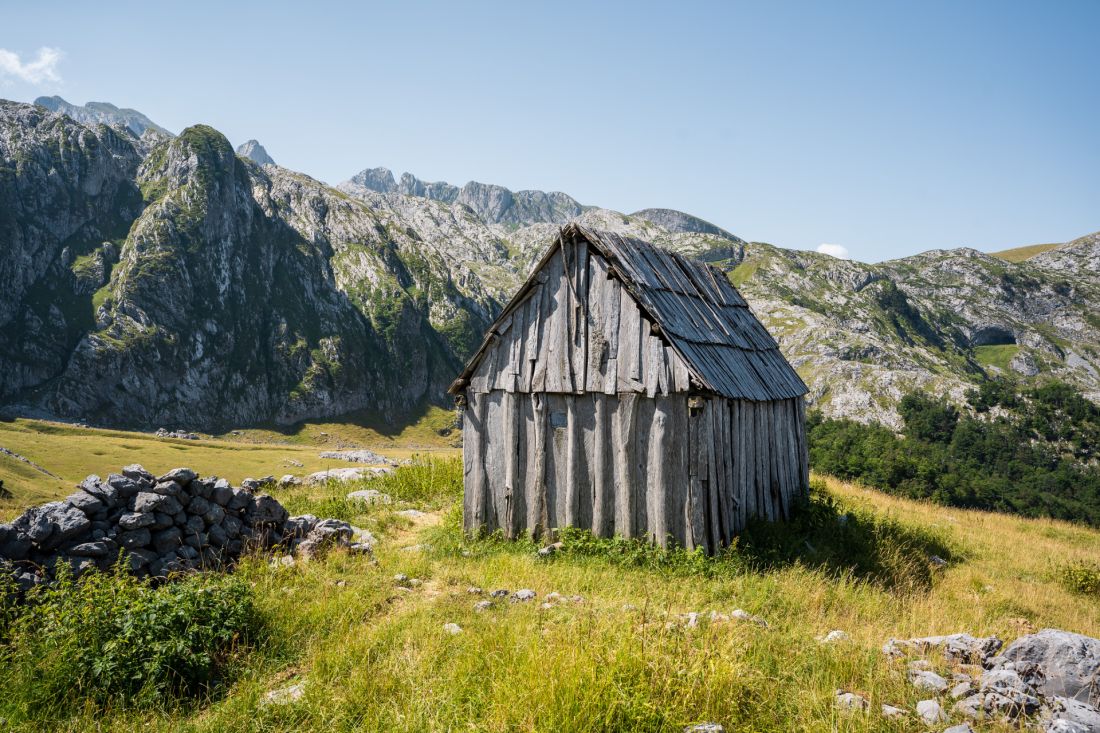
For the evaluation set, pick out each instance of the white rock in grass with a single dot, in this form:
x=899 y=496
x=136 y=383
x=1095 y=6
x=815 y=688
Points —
x=525 y=594
x=742 y=615
x=961 y=728
x=889 y=711
x=400 y=578
x=370 y=496
x=474 y=590
x=285 y=695
x=851 y=701
x=482 y=606
x=411 y=513
x=833 y=637
x=923 y=679
x=452 y=629
x=931 y=712
x=705 y=728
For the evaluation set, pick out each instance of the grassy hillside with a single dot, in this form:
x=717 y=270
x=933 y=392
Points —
x=70 y=453
x=373 y=656
x=1019 y=254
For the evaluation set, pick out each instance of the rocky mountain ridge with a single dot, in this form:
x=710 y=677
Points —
x=157 y=279
x=106 y=113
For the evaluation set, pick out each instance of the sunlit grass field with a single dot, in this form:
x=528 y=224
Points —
x=70 y=452
x=375 y=657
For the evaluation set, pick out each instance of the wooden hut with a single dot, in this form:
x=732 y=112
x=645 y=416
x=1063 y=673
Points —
x=629 y=390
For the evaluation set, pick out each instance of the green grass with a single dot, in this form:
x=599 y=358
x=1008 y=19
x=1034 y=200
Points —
x=70 y=453
x=744 y=272
x=999 y=355
x=376 y=658
x=1019 y=254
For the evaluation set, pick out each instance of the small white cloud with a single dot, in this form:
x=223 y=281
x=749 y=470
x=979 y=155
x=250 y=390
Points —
x=833 y=250
x=42 y=68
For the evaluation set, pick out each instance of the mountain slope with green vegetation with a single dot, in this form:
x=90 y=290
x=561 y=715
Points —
x=354 y=643
x=1028 y=451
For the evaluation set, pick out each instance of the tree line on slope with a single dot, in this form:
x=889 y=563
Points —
x=1025 y=450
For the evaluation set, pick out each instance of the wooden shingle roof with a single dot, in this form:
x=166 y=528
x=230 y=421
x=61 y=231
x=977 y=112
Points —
x=701 y=315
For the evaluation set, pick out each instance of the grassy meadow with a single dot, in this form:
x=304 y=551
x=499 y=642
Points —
x=371 y=655
x=70 y=452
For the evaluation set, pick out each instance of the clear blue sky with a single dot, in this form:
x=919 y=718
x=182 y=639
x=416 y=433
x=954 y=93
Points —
x=884 y=127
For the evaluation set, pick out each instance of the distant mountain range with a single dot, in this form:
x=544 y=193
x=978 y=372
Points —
x=102 y=112
x=158 y=280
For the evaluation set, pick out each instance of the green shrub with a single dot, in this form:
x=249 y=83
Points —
x=1080 y=577
x=111 y=639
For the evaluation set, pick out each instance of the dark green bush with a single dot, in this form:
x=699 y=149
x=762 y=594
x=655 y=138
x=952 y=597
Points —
x=111 y=639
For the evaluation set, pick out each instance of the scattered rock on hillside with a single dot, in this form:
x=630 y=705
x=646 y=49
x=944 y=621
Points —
x=452 y=628
x=370 y=496
x=705 y=728
x=931 y=712
x=926 y=680
x=834 y=636
x=959 y=648
x=525 y=594
x=1049 y=678
x=742 y=615
x=961 y=728
x=342 y=474
x=889 y=711
x=358 y=456
x=285 y=695
x=851 y=701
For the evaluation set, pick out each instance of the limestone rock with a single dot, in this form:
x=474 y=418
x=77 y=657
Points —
x=931 y=712
x=851 y=701
x=1059 y=664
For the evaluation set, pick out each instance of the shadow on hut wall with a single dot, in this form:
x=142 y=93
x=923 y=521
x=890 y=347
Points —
x=824 y=535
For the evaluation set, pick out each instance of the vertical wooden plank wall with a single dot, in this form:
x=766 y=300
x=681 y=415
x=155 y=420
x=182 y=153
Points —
x=632 y=466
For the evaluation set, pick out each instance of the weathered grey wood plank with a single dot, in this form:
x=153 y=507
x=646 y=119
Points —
x=538 y=516
x=474 y=463
x=657 y=462
x=597 y=346
x=627 y=491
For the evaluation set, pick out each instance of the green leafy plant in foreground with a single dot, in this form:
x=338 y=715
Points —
x=110 y=639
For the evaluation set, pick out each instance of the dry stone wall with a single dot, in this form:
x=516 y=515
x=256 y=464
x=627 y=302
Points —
x=158 y=526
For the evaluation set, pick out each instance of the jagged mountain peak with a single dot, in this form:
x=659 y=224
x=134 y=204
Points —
x=255 y=152
x=102 y=112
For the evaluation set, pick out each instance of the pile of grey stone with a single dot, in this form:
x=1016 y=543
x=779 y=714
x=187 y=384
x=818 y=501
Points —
x=158 y=526
x=1050 y=679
